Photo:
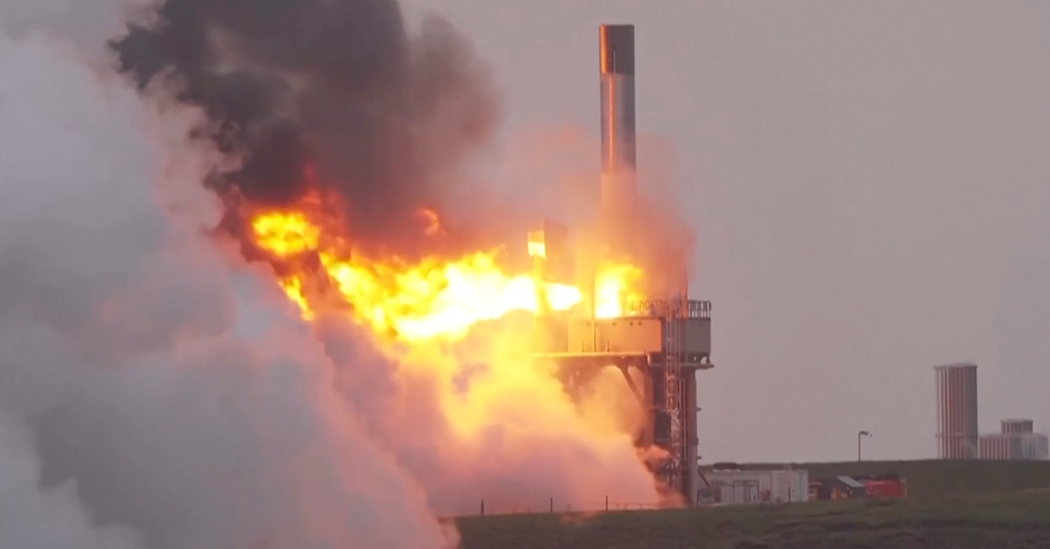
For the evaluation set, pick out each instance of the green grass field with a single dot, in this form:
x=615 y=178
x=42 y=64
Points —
x=1016 y=520
x=938 y=477
x=951 y=504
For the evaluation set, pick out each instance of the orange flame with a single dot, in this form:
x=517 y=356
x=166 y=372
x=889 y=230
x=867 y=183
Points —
x=612 y=287
x=430 y=298
x=438 y=300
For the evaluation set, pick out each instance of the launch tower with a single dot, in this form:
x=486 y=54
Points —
x=660 y=342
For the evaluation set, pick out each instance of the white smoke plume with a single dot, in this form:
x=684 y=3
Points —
x=50 y=518
x=143 y=403
x=483 y=426
x=156 y=393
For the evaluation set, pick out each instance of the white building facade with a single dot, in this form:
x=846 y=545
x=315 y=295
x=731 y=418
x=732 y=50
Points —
x=1015 y=441
x=733 y=487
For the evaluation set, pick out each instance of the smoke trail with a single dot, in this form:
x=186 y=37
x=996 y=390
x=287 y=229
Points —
x=480 y=423
x=338 y=97
x=141 y=403
x=335 y=96
x=51 y=518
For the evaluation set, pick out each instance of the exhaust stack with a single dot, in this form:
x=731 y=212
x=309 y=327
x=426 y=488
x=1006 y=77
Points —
x=616 y=69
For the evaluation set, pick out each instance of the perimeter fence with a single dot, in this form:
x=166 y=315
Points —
x=553 y=505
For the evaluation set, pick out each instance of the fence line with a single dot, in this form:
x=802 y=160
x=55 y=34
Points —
x=552 y=505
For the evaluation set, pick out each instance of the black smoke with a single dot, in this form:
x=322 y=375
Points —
x=381 y=116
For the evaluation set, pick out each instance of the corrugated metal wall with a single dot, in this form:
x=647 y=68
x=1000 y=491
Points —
x=1035 y=446
x=1014 y=446
x=957 y=436
x=1017 y=425
x=995 y=447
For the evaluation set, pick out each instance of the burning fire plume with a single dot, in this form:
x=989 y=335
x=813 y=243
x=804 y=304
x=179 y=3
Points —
x=412 y=301
x=344 y=135
x=427 y=298
x=446 y=300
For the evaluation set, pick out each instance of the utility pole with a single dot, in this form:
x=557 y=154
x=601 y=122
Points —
x=859 y=435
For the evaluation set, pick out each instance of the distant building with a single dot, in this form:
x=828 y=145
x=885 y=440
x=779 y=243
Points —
x=957 y=436
x=735 y=487
x=1017 y=439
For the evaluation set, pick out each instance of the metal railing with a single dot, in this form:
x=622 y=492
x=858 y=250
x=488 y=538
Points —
x=663 y=308
x=552 y=505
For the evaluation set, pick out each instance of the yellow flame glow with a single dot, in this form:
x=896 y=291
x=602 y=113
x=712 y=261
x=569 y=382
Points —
x=430 y=298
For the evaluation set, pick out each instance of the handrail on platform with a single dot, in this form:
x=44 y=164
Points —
x=663 y=308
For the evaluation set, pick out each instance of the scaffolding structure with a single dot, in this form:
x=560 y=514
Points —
x=666 y=341
x=674 y=393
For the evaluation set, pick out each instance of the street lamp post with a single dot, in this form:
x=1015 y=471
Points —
x=859 y=435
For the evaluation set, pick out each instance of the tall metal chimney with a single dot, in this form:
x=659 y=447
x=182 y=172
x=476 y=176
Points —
x=616 y=69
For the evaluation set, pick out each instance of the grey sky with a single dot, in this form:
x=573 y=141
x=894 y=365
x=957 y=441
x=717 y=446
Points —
x=869 y=183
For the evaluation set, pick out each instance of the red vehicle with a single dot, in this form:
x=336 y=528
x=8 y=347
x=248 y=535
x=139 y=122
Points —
x=883 y=488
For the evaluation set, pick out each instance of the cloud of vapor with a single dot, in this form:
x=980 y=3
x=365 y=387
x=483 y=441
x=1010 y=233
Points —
x=554 y=169
x=44 y=518
x=87 y=22
x=151 y=396
x=477 y=421
x=480 y=422
x=335 y=97
x=342 y=98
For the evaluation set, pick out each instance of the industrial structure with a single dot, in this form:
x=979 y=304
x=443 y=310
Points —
x=658 y=341
x=957 y=436
x=1017 y=439
x=957 y=429
x=742 y=487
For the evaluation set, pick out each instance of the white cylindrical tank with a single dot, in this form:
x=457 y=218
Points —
x=957 y=435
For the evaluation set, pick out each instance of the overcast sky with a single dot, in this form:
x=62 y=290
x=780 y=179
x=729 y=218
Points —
x=869 y=181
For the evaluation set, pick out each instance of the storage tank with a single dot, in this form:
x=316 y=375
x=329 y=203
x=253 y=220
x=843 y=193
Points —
x=957 y=436
x=1000 y=446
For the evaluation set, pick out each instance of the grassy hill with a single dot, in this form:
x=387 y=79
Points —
x=1018 y=520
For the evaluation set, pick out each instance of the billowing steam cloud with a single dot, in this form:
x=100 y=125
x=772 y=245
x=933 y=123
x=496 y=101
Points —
x=157 y=393
x=338 y=96
x=142 y=404
x=331 y=94
x=486 y=425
